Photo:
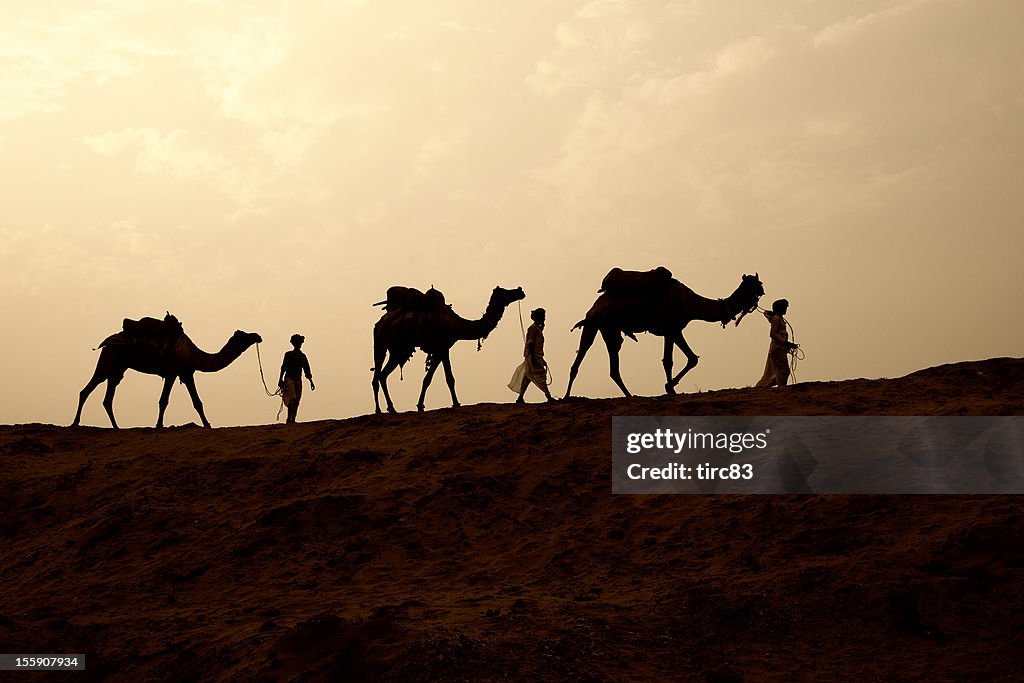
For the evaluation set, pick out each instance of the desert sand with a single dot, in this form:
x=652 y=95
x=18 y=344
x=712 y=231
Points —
x=483 y=543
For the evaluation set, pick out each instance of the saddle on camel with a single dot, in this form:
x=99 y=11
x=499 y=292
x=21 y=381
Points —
x=163 y=334
x=636 y=282
x=411 y=299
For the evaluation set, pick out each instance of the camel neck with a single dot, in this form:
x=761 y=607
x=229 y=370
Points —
x=480 y=328
x=213 y=362
x=716 y=310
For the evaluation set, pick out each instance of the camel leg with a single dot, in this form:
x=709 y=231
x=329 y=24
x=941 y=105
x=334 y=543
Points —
x=449 y=377
x=108 y=397
x=375 y=383
x=388 y=368
x=613 y=340
x=586 y=341
x=666 y=362
x=379 y=352
x=691 y=361
x=165 y=397
x=95 y=381
x=190 y=383
x=427 y=379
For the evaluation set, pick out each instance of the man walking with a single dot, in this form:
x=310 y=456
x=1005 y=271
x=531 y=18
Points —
x=293 y=366
x=533 y=368
x=776 y=368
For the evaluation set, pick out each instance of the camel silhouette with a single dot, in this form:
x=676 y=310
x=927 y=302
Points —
x=179 y=359
x=663 y=308
x=432 y=326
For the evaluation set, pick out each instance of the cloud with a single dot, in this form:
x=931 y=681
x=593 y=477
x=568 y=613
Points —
x=654 y=137
x=793 y=124
x=186 y=157
x=598 y=40
x=847 y=29
x=174 y=153
x=45 y=60
x=434 y=151
x=238 y=60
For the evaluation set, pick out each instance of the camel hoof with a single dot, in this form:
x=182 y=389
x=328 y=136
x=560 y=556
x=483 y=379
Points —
x=391 y=409
x=670 y=389
x=456 y=404
x=419 y=409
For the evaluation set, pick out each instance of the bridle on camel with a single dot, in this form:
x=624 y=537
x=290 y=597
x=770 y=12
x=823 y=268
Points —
x=742 y=312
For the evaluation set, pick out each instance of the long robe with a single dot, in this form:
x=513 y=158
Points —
x=776 y=367
x=533 y=368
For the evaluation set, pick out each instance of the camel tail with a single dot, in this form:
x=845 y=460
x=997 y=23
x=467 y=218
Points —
x=578 y=325
x=103 y=343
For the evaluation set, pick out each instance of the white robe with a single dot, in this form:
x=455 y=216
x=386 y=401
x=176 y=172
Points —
x=533 y=368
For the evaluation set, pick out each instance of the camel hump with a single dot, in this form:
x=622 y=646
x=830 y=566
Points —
x=411 y=299
x=636 y=282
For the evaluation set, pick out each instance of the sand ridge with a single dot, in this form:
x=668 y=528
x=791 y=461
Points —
x=483 y=543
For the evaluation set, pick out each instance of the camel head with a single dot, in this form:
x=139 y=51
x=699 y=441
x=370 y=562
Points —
x=753 y=288
x=505 y=297
x=747 y=295
x=501 y=299
x=245 y=339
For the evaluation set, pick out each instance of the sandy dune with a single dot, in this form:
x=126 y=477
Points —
x=484 y=543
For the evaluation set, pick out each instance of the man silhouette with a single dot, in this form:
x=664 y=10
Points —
x=533 y=368
x=776 y=368
x=293 y=366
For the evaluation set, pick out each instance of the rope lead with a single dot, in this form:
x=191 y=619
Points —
x=279 y=392
x=522 y=330
x=794 y=354
x=259 y=360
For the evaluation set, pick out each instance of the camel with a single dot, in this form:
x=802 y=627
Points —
x=433 y=328
x=664 y=310
x=180 y=359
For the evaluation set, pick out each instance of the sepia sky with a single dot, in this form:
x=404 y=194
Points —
x=276 y=166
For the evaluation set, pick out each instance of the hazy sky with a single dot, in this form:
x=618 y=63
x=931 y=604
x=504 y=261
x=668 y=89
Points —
x=275 y=167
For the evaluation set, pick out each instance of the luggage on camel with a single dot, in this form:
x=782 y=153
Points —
x=636 y=282
x=410 y=299
x=161 y=333
x=151 y=328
